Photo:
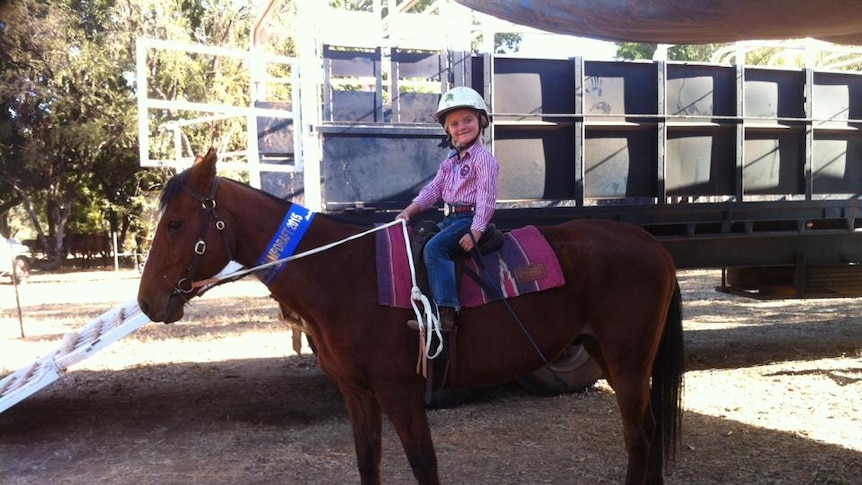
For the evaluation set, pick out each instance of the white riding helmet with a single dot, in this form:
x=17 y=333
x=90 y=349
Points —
x=461 y=97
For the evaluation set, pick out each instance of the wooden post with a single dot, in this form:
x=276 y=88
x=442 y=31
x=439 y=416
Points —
x=17 y=297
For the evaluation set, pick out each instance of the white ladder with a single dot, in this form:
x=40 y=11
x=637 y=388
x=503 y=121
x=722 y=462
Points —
x=75 y=347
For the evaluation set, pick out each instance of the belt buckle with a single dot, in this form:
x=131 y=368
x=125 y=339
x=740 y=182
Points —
x=447 y=209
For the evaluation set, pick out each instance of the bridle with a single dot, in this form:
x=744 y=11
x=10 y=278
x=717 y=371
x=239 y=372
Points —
x=187 y=285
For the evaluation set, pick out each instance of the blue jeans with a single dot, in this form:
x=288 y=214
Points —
x=438 y=254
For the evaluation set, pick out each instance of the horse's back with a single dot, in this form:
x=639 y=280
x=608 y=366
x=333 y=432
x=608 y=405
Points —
x=599 y=249
x=602 y=236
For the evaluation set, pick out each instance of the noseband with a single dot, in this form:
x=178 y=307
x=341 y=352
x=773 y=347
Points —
x=187 y=284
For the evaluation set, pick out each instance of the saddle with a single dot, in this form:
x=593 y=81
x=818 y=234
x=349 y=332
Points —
x=492 y=240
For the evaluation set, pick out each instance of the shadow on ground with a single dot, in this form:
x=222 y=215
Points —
x=282 y=421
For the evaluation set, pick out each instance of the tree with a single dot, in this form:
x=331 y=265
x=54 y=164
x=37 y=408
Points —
x=634 y=51
x=68 y=147
x=692 y=52
x=69 y=106
x=175 y=75
x=44 y=112
x=12 y=189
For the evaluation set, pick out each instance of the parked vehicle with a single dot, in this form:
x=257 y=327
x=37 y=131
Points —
x=15 y=260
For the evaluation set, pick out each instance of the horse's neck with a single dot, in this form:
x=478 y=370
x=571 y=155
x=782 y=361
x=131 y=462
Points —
x=326 y=228
x=261 y=219
x=256 y=220
x=309 y=285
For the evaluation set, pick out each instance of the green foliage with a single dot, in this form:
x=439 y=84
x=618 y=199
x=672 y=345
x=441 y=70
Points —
x=53 y=101
x=504 y=42
x=634 y=51
x=775 y=56
x=68 y=129
x=201 y=78
x=355 y=5
x=692 y=52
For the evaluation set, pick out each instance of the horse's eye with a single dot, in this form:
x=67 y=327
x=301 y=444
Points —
x=174 y=226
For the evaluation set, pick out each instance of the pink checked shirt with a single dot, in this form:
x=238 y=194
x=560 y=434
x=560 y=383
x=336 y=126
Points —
x=470 y=180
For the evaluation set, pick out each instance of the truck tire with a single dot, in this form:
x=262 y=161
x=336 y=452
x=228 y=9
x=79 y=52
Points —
x=575 y=372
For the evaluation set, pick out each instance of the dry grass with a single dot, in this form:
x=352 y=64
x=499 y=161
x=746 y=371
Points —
x=772 y=397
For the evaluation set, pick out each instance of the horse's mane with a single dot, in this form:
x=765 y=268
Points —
x=175 y=185
x=259 y=191
x=281 y=201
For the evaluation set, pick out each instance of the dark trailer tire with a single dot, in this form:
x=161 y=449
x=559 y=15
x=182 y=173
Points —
x=575 y=372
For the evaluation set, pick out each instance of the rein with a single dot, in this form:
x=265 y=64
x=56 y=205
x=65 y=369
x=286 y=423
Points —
x=489 y=283
x=187 y=285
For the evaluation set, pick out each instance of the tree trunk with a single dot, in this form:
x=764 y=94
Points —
x=58 y=216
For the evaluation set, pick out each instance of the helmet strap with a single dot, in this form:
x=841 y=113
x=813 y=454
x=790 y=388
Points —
x=446 y=141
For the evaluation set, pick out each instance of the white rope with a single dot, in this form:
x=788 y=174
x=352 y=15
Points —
x=417 y=296
x=423 y=315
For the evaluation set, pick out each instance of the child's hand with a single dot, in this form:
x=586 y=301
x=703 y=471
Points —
x=466 y=241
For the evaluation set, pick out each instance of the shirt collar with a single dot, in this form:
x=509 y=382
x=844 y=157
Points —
x=469 y=151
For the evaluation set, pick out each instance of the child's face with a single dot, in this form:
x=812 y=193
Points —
x=463 y=126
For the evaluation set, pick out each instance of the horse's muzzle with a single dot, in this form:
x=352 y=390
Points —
x=171 y=312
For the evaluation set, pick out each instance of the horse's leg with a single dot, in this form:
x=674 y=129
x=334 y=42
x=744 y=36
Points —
x=643 y=442
x=405 y=407
x=632 y=393
x=366 y=422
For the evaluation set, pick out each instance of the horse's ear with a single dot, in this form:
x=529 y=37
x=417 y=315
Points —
x=204 y=169
x=211 y=156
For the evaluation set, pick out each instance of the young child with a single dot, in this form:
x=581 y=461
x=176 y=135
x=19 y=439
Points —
x=466 y=181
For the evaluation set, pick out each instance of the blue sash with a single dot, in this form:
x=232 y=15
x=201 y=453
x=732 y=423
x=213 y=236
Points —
x=284 y=242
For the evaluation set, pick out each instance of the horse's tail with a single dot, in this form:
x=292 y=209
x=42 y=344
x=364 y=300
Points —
x=667 y=379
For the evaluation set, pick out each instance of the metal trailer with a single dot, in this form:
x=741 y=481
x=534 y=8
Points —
x=750 y=169
x=754 y=170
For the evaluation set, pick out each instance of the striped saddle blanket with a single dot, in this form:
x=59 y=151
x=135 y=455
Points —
x=525 y=264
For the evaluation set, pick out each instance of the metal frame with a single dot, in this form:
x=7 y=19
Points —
x=214 y=111
x=364 y=169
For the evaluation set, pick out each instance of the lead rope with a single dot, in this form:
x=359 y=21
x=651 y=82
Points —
x=425 y=336
x=426 y=316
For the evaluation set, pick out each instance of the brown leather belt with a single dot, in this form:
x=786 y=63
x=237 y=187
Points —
x=450 y=209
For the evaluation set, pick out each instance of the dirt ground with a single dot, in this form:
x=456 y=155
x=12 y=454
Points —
x=773 y=396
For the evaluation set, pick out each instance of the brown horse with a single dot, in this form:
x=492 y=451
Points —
x=621 y=300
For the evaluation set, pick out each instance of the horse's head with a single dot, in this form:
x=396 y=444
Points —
x=191 y=243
